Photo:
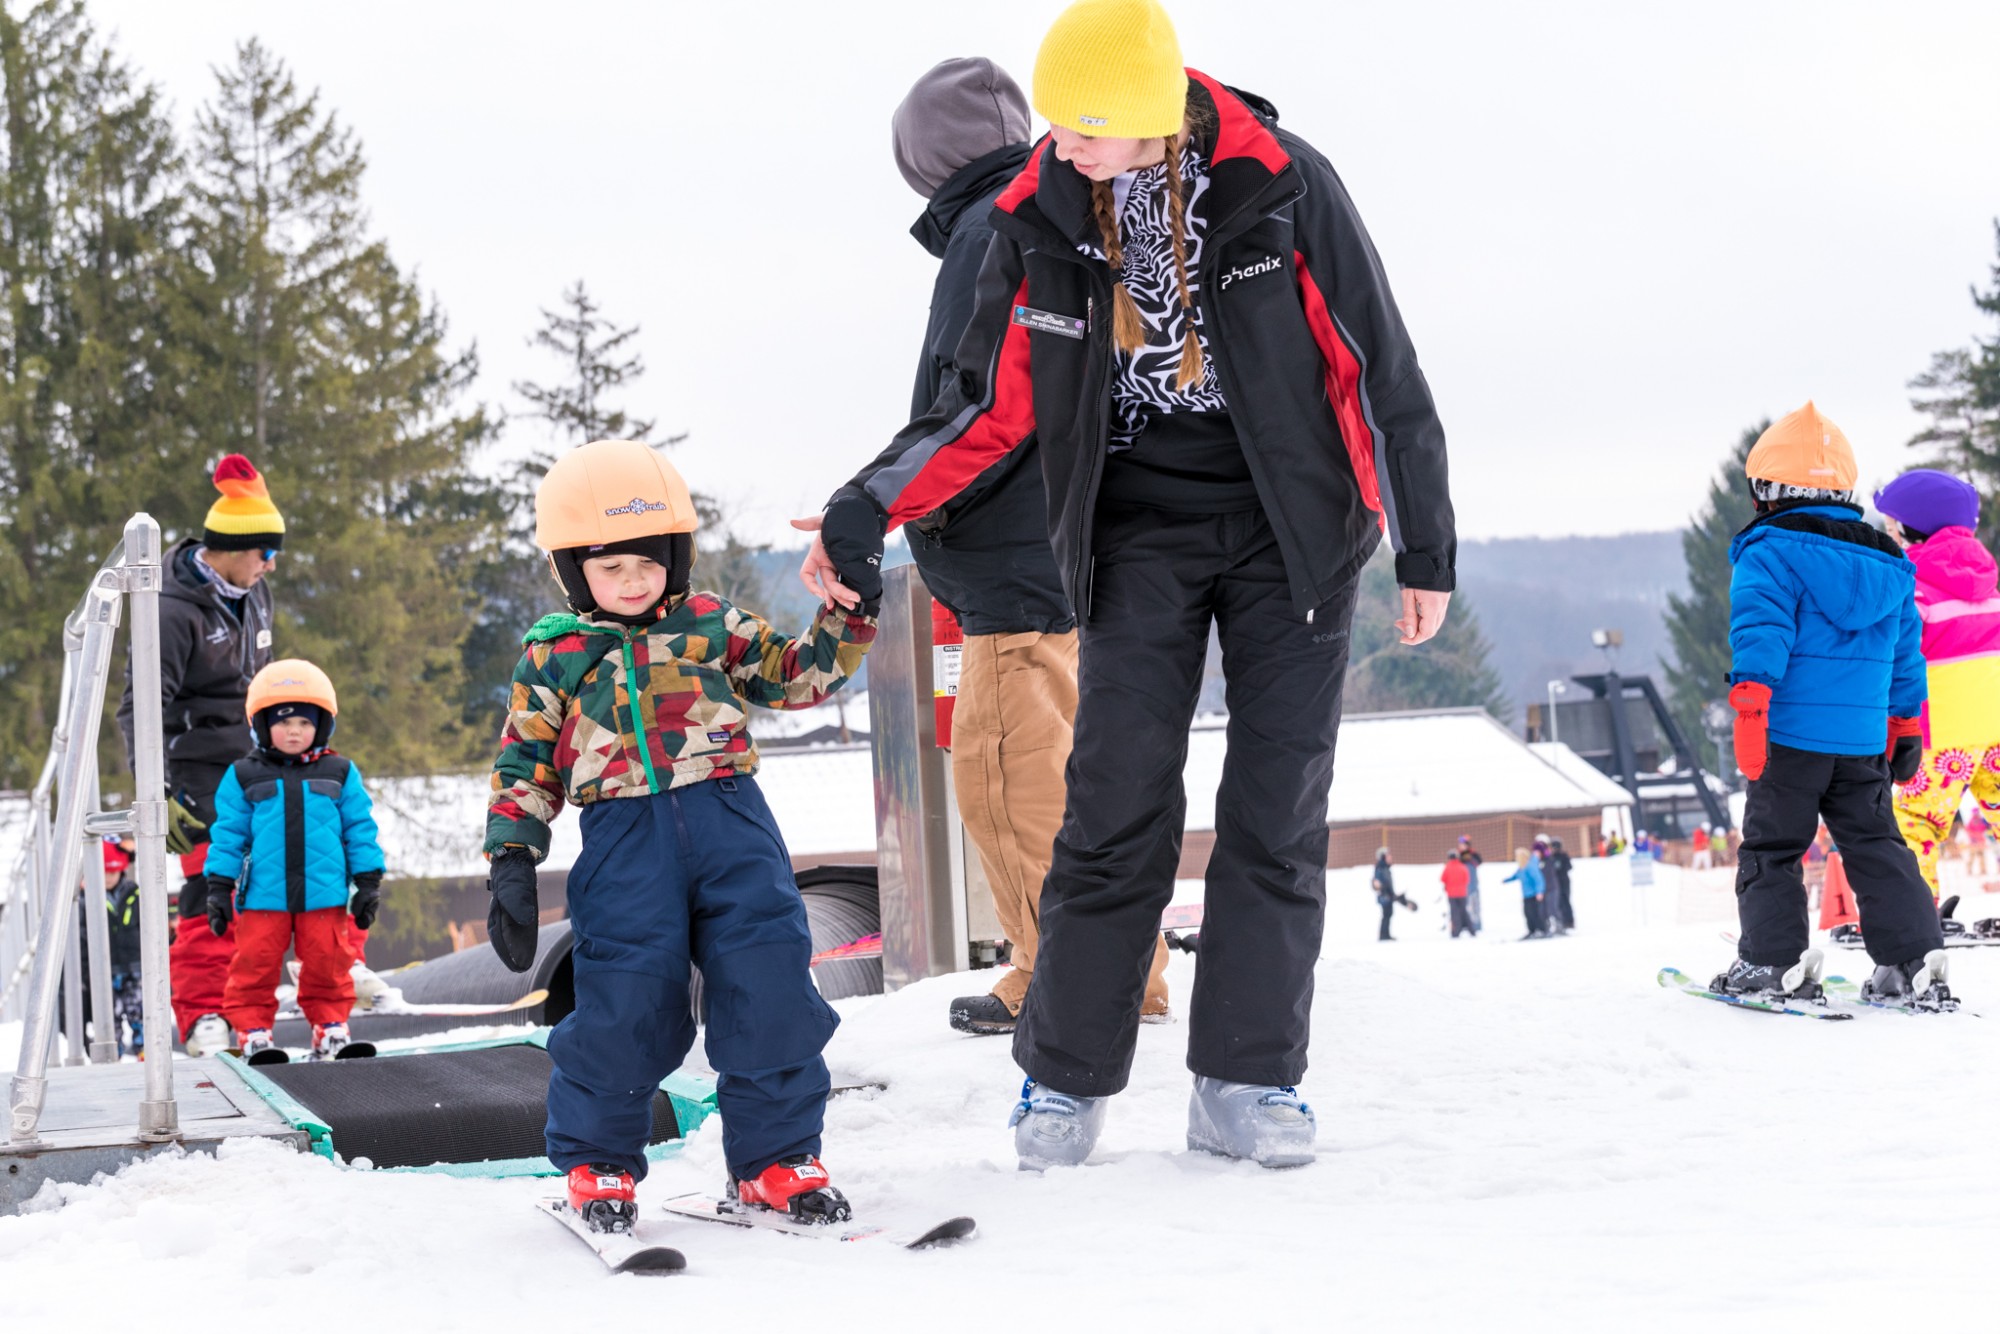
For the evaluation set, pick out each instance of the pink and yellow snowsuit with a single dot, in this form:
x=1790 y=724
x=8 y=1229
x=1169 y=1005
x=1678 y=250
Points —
x=1958 y=597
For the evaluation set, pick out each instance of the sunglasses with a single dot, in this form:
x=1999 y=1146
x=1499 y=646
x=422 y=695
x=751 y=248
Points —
x=270 y=555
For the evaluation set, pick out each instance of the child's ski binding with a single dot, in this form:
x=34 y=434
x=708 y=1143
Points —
x=797 y=1186
x=603 y=1196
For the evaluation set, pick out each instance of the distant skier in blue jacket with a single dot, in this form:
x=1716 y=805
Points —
x=1528 y=870
x=1827 y=680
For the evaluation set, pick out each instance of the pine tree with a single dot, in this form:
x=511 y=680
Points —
x=319 y=359
x=87 y=221
x=1699 y=623
x=1453 y=670
x=590 y=347
x=1960 y=393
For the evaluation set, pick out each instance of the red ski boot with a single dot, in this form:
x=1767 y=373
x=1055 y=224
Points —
x=603 y=1195
x=797 y=1186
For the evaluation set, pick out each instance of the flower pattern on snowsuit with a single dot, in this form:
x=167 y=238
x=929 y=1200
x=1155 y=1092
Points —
x=600 y=710
x=1929 y=802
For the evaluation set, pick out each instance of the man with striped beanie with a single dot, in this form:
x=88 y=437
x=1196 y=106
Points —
x=215 y=634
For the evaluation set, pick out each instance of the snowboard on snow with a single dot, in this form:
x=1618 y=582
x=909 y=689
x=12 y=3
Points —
x=1675 y=980
x=636 y=1252
x=709 y=1209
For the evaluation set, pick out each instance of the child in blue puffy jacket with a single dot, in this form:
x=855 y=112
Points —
x=1827 y=680
x=293 y=828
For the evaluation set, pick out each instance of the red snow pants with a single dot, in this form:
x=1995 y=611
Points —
x=197 y=958
x=326 y=954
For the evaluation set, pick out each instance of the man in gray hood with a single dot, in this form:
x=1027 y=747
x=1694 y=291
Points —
x=960 y=137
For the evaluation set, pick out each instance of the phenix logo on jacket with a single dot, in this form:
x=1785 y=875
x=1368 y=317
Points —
x=1321 y=380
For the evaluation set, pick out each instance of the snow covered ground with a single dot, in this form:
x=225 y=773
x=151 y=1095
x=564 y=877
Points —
x=1513 y=1135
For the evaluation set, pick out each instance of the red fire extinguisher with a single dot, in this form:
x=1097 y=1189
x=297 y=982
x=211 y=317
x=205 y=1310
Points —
x=947 y=647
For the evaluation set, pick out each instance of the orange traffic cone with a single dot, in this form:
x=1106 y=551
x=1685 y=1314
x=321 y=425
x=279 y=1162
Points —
x=1836 y=898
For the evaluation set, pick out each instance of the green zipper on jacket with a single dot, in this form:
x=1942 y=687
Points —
x=638 y=724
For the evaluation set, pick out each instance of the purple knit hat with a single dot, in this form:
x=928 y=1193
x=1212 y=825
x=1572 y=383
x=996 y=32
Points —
x=1926 y=500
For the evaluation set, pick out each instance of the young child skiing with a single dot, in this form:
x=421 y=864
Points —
x=632 y=708
x=1528 y=870
x=293 y=828
x=1934 y=516
x=1827 y=682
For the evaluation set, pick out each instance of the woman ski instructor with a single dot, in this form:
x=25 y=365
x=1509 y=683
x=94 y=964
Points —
x=1181 y=306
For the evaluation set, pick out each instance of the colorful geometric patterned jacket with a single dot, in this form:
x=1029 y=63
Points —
x=602 y=710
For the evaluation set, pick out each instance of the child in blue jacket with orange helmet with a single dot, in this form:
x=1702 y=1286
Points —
x=1827 y=679
x=294 y=827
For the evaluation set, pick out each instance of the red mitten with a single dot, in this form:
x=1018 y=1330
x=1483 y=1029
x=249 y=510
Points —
x=1752 y=702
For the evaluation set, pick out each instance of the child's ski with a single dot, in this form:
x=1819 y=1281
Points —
x=709 y=1209
x=1675 y=979
x=1845 y=992
x=634 y=1252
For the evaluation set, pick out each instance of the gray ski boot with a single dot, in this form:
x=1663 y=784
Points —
x=1054 y=1129
x=1270 y=1125
x=1916 y=984
x=1800 y=981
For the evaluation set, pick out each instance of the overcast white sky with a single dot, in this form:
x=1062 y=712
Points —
x=1619 y=233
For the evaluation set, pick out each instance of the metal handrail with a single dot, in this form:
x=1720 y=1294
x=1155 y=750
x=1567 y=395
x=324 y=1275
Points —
x=56 y=856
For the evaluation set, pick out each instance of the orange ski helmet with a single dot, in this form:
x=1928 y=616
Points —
x=1801 y=456
x=297 y=683
x=613 y=497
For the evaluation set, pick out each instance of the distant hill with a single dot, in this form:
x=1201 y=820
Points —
x=1537 y=597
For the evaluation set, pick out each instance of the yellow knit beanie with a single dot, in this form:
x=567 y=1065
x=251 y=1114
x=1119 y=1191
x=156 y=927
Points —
x=1112 y=69
x=244 y=519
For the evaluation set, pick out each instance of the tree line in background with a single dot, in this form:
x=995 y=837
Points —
x=167 y=299
x=1959 y=392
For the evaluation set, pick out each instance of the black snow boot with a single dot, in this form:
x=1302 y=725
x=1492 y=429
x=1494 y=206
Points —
x=1916 y=984
x=1799 y=981
x=984 y=1015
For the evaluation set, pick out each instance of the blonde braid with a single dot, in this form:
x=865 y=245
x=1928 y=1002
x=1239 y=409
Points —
x=1192 y=367
x=1127 y=329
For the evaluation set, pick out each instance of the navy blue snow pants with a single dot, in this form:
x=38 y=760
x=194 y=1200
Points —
x=697 y=874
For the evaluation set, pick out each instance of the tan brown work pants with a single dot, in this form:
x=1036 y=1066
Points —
x=1010 y=738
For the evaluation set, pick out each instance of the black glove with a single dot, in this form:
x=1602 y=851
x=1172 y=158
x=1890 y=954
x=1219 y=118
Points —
x=1906 y=748
x=184 y=828
x=221 y=903
x=851 y=532
x=367 y=900
x=513 y=923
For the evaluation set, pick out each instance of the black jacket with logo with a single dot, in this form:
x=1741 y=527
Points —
x=209 y=650
x=982 y=553
x=1323 y=385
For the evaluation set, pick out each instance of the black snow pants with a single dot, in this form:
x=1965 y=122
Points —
x=1852 y=794
x=1159 y=580
x=1461 y=920
x=1388 y=916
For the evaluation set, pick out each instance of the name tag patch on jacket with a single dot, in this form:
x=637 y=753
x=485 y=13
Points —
x=263 y=639
x=1044 y=321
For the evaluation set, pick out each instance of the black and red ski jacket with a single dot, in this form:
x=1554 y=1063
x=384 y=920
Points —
x=1324 y=389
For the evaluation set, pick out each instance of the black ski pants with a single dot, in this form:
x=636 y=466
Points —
x=1160 y=580
x=1388 y=916
x=1852 y=794
x=1461 y=920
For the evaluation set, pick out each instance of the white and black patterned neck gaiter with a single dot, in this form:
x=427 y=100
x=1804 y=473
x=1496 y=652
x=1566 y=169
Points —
x=1145 y=385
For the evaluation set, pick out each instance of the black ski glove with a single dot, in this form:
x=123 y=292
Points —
x=367 y=900
x=513 y=923
x=1906 y=748
x=221 y=903
x=851 y=531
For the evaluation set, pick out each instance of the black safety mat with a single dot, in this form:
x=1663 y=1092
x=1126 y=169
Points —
x=471 y=1106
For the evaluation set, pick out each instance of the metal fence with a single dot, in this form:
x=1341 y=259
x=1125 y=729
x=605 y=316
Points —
x=61 y=865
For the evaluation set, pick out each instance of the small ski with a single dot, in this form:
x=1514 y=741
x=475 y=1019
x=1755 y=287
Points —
x=634 y=1252
x=395 y=1005
x=355 y=1051
x=709 y=1209
x=1675 y=979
